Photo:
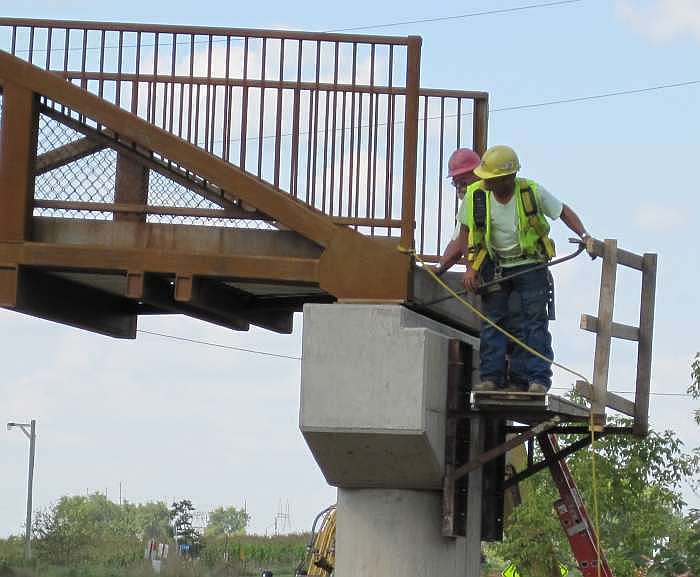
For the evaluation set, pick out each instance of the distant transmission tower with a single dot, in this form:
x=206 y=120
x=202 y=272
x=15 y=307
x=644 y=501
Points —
x=283 y=522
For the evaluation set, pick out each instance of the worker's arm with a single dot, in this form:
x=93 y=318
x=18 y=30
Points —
x=571 y=219
x=453 y=252
x=471 y=276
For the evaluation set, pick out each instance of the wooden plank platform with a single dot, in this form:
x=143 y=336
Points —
x=527 y=407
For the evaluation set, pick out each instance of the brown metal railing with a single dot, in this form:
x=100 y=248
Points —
x=337 y=121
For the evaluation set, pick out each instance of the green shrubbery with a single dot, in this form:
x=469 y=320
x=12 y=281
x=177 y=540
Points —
x=90 y=536
x=250 y=553
x=235 y=556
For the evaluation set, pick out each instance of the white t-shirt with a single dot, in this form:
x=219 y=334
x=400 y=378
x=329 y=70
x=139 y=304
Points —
x=504 y=223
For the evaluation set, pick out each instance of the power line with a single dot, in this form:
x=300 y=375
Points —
x=219 y=345
x=685 y=395
x=336 y=30
x=278 y=355
x=596 y=96
x=457 y=16
x=532 y=105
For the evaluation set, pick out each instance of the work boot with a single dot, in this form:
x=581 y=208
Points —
x=484 y=386
x=537 y=388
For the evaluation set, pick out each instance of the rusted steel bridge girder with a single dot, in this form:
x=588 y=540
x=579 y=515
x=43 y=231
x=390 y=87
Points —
x=339 y=234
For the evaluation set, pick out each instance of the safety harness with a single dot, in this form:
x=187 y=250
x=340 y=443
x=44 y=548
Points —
x=533 y=229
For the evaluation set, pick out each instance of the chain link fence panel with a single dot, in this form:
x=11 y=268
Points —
x=93 y=178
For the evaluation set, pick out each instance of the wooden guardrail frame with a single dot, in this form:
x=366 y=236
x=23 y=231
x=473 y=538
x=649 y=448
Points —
x=605 y=329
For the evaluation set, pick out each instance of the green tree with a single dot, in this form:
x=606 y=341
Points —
x=639 y=501
x=81 y=528
x=148 y=520
x=227 y=521
x=181 y=519
x=694 y=388
x=93 y=528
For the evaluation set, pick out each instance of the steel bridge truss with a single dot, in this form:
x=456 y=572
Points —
x=231 y=175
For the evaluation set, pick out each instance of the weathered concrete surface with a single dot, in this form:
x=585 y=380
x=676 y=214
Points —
x=373 y=394
x=390 y=533
x=429 y=297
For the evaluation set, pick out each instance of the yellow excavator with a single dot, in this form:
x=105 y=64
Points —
x=319 y=560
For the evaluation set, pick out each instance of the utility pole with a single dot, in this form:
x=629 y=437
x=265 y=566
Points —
x=31 y=435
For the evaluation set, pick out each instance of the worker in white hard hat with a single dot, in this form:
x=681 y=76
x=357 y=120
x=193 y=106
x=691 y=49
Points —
x=460 y=167
x=504 y=218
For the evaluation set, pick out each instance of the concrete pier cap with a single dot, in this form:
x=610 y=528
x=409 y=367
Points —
x=373 y=394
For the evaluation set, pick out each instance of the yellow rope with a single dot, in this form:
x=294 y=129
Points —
x=596 y=515
x=532 y=351
x=496 y=326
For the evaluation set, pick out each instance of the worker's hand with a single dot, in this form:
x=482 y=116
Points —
x=584 y=239
x=471 y=280
x=438 y=270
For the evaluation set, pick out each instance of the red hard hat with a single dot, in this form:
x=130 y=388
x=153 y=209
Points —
x=463 y=160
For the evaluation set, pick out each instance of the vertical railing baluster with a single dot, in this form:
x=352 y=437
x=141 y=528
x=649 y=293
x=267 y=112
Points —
x=83 y=80
x=244 y=105
x=214 y=93
x=334 y=134
x=296 y=120
x=278 y=118
x=370 y=135
x=261 y=126
x=136 y=85
x=424 y=175
x=438 y=210
x=374 y=158
x=207 y=137
x=324 y=195
x=314 y=134
x=459 y=123
x=100 y=83
x=190 y=91
x=481 y=124
x=226 y=129
x=358 y=153
x=410 y=148
x=31 y=44
x=173 y=64
x=118 y=86
x=66 y=51
x=153 y=86
x=49 y=35
x=351 y=148
x=341 y=176
x=390 y=138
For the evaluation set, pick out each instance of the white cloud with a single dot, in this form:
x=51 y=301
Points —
x=653 y=217
x=662 y=19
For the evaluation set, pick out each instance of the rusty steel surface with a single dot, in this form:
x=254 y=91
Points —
x=336 y=121
x=325 y=143
x=352 y=266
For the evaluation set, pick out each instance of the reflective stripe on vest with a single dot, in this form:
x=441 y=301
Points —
x=533 y=228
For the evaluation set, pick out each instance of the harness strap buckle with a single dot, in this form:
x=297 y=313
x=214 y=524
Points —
x=479 y=208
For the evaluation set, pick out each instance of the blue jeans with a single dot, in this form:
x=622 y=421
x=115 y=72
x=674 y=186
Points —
x=520 y=306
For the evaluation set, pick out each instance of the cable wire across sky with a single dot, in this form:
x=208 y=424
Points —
x=457 y=16
x=298 y=358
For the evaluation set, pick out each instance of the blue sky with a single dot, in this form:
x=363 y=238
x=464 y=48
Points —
x=171 y=420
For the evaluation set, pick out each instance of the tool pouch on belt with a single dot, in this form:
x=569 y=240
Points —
x=551 y=311
x=532 y=213
x=478 y=254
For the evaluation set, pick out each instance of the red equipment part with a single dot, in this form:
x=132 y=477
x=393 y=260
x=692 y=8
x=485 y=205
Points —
x=573 y=515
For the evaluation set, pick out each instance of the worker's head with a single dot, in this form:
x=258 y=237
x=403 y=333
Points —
x=461 y=169
x=498 y=168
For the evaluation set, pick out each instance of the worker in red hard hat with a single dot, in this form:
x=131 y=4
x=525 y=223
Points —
x=460 y=167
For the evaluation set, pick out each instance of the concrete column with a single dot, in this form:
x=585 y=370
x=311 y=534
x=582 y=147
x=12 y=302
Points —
x=394 y=533
x=373 y=402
